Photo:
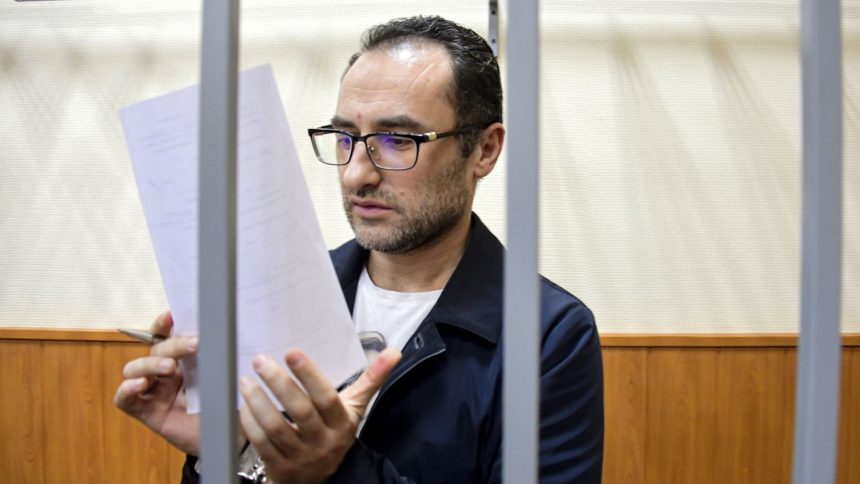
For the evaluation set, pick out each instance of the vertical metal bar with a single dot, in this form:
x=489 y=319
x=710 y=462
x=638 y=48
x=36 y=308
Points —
x=493 y=27
x=217 y=241
x=816 y=420
x=522 y=312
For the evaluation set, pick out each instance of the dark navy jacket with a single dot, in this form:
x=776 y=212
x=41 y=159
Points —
x=439 y=416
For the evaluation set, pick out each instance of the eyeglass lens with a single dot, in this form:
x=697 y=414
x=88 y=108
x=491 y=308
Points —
x=385 y=150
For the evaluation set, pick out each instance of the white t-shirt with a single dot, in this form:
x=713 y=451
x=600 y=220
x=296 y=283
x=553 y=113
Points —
x=395 y=315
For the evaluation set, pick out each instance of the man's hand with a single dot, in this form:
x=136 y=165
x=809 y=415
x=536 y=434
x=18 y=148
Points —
x=311 y=447
x=152 y=391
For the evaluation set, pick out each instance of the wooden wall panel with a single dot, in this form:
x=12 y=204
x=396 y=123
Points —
x=128 y=444
x=749 y=414
x=681 y=416
x=73 y=410
x=624 y=380
x=788 y=396
x=678 y=411
x=21 y=439
x=848 y=470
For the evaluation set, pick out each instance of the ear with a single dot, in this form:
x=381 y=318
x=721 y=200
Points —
x=488 y=150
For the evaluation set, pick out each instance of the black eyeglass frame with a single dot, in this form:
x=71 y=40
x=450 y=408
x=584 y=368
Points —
x=417 y=138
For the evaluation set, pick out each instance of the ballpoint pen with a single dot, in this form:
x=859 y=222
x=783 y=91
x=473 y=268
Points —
x=143 y=336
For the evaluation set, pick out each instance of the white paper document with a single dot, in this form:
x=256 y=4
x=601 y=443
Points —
x=288 y=295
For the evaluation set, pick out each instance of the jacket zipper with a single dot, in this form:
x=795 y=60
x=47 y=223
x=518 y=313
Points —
x=393 y=382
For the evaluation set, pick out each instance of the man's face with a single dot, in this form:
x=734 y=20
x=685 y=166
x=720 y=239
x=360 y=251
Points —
x=402 y=89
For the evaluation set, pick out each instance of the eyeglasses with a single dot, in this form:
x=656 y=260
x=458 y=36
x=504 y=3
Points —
x=387 y=151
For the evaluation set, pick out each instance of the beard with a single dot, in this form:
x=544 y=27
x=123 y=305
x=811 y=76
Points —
x=442 y=204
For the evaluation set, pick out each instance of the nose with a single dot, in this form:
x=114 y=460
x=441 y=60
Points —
x=360 y=171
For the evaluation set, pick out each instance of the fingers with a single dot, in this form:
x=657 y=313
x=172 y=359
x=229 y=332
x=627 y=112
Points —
x=257 y=436
x=358 y=394
x=322 y=394
x=128 y=391
x=172 y=347
x=263 y=423
x=313 y=410
x=163 y=324
x=176 y=347
x=149 y=366
x=296 y=403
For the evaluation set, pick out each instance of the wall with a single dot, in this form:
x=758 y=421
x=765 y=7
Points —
x=700 y=409
x=670 y=191
x=670 y=201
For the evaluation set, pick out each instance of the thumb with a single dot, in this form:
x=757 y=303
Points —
x=358 y=395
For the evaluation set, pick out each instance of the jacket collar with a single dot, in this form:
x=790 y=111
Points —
x=472 y=299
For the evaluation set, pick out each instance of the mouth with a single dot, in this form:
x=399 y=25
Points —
x=369 y=208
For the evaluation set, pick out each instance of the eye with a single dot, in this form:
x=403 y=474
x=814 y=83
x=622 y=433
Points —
x=344 y=142
x=395 y=142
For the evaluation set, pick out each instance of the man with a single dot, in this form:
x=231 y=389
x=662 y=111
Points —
x=417 y=124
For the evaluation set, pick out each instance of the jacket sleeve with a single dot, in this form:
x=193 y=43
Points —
x=571 y=392
x=571 y=387
x=189 y=475
x=366 y=466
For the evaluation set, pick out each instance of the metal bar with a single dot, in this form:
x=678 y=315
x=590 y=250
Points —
x=522 y=312
x=217 y=241
x=816 y=419
x=493 y=27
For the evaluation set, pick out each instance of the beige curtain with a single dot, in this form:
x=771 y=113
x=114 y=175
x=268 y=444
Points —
x=670 y=155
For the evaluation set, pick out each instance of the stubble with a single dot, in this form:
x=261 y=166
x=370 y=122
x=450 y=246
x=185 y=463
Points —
x=438 y=210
